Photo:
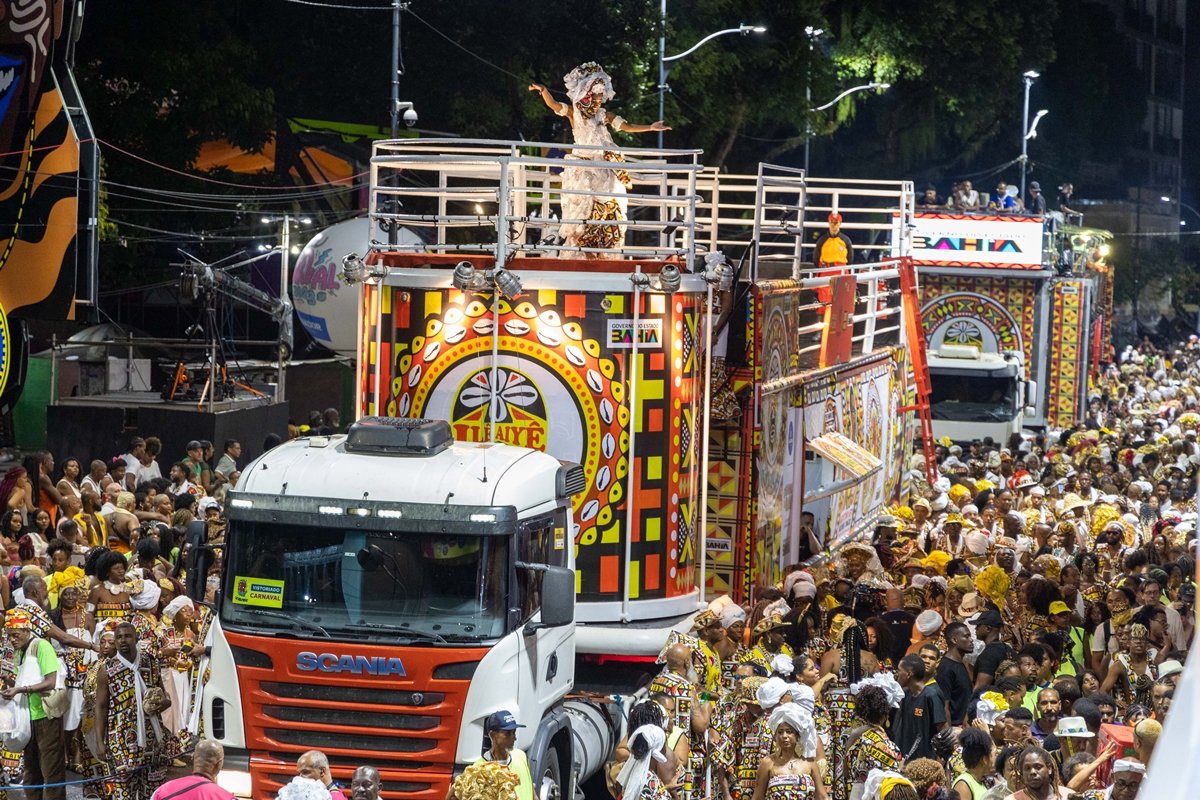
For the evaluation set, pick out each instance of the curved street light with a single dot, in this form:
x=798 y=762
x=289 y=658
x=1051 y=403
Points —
x=664 y=59
x=866 y=87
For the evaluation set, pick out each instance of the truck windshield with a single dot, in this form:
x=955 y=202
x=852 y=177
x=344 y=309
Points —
x=959 y=398
x=364 y=585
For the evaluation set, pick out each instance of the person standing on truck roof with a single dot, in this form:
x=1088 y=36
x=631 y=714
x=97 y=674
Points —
x=501 y=728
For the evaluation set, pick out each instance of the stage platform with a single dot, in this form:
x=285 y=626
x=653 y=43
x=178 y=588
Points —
x=100 y=426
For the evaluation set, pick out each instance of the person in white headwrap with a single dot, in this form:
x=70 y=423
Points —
x=782 y=666
x=178 y=652
x=771 y=693
x=791 y=771
x=598 y=192
x=636 y=778
x=888 y=785
x=1126 y=779
x=926 y=629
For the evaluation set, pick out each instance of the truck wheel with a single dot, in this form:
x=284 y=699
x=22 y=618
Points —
x=550 y=785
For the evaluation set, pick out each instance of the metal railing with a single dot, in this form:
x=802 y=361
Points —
x=505 y=199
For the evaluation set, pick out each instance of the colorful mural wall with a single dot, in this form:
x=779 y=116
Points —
x=562 y=383
x=39 y=179
x=1069 y=343
x=993 y=314
x=756 y=460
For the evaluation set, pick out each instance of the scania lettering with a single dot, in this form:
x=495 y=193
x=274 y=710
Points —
x=359 y=665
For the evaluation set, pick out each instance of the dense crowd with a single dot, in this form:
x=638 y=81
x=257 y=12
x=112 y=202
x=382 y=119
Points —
x=109 y=574
x=1015 y=630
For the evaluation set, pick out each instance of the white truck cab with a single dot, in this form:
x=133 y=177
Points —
x=976 y=395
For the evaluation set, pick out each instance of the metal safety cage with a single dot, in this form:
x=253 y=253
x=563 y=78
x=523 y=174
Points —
x=501 y=202
x=793 y=209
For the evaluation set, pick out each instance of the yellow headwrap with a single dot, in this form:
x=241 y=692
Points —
x=993 y=582
x=938 y=560
x=889 y=784
x=71 y=576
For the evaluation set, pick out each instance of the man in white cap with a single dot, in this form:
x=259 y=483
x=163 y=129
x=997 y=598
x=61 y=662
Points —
x=1127 y=776
x=928 y=625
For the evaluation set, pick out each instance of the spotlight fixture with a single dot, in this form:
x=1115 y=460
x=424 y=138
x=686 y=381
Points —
x=465 y=276
x=719 y=272
x=355 y=270
x=508 y=284
x=668 y=280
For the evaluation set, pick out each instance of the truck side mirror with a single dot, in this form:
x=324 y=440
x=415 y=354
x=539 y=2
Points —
x=558 y=599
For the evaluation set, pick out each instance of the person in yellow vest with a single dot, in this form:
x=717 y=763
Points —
x=501 y=728
x=832 y=249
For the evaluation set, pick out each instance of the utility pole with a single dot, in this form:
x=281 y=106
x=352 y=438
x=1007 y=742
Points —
x=1030 y=77
x=662 y=66
x=397 y=7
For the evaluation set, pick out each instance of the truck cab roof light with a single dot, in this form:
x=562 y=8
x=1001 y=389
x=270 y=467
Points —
x=389 y=513
x=359 y=512
x=483 y=518
x=330 y=510
x=239 y=503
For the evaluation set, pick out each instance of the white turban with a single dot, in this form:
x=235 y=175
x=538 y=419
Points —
x=781 y=664
x=987 y=711
x=175 y=606
x=873 y=788
x=918 y=581
x=939 y=503
x=771 y=692
x=929 y=622
x=977 y=543
x=731 y=615
x=147 y=598
x=970 y=508
x=633 y=775
x=777 y=609
x=804 y=697
x=1128 y=765
x=801 y=722
x=303 y=789
x=885 y=681
x=793 y=578
x=804 y=590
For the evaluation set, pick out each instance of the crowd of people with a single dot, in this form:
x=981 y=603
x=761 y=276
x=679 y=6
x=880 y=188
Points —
x=965 y=198
x=107 y=569
x=1014 y=631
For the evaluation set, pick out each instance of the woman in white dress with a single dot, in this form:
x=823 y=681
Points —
x=601 y=197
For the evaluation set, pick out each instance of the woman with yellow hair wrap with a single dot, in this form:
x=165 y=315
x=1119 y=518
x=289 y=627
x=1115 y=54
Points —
x=887 y=785
x=993 y=582
x=487 y=780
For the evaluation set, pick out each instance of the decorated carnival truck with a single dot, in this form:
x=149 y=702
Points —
x=562 y=453
x=1017 y=314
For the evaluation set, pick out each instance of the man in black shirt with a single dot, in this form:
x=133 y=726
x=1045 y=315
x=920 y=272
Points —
x=987 y=630
x=900 y=623
x=1036 y=203
x=921 y=714
x=952 y=676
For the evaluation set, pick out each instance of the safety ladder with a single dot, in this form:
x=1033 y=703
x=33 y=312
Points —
x=911 y=304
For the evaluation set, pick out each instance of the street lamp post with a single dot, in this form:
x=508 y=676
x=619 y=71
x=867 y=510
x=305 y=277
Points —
x=1030 y=77
x=1183 y=205
x=866 y=87
x=664 y=59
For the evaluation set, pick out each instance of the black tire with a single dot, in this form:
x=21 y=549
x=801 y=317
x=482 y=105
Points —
x=549 y=786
